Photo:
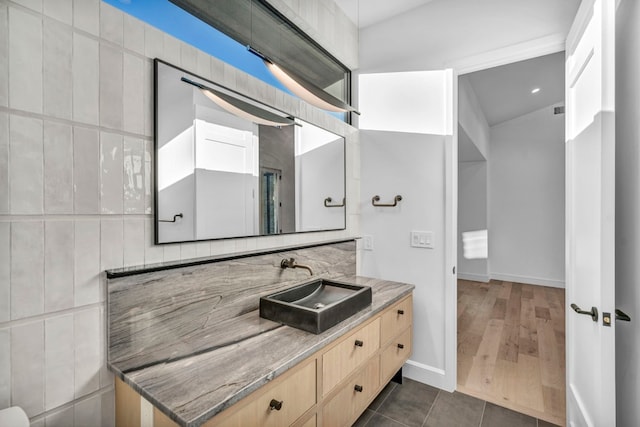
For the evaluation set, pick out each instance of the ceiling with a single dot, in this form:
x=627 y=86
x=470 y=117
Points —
x=369 y=12
x=504 y=92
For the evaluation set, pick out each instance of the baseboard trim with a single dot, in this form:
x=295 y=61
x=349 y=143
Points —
x=426 y=374
x=528 y=280
x=474 y=277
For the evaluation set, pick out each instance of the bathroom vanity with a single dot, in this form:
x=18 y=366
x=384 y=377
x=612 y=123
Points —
x=174 y=366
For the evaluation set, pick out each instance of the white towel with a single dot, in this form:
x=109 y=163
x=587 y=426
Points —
x=475 y=244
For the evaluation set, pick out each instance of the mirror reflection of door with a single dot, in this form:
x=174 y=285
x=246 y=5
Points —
x=270 y=200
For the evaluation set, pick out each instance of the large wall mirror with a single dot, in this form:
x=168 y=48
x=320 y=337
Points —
x=228 y=166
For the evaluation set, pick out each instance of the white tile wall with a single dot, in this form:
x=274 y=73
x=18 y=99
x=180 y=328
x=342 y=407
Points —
x=59 y=361
x=4 y=55
x=4 y=163
x=60 y=10
x=86 y=170
x=58 y=51
x=87 y=262
x=27 y=269
x=76 y=157
x=5 y=367
x=58 y=168
x=111 y=174
x=87 y=351
x=111 y=86
x=58 y=265
x=86 y=67
x=25 y=60
x=27 y=367
x=25 y=165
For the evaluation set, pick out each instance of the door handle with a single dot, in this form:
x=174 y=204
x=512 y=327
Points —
x=593 y=313
x=621 y=315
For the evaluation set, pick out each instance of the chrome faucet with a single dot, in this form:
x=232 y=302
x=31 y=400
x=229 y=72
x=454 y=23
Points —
x=291 y=263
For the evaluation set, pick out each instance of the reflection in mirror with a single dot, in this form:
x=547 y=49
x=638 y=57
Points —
x=233 y=167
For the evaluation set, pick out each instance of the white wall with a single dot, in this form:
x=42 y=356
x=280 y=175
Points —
x=526 y=199
x=471 y=118
x=472 y=216
x=627 y=210
x=76 y=100
x=412 y=160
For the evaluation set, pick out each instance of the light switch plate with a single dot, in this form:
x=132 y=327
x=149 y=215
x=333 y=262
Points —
x=368 y=243
x=422 y=239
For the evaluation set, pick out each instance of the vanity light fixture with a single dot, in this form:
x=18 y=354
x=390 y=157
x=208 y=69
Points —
x=303 y=88
x=241 y=108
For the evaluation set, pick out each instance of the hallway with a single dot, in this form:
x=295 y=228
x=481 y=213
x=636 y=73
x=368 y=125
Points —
x=511 y=346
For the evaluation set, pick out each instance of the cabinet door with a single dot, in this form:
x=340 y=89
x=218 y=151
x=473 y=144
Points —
x=349 y=355
x=346 y=406
x=280 y=404
x=395 y=354
x=396 y=319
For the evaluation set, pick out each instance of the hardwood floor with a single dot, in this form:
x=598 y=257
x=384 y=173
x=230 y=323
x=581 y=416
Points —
x=511 y=346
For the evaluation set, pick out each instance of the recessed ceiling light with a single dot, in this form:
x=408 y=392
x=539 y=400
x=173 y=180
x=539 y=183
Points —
x=535 y=90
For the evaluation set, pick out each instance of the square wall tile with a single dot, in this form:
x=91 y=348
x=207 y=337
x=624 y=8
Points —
x=61 y=10
x=111 y=23
x=4 y=55
x=5 y=368
x=58 y=265
x=111 y=96
x=133 y=241
x=87 y=261
x=86 y=15
x=153 y=42
x=25 y=61
x=133 y=108
x=153 y=254
x=4 y=163
x=133 y=34
x=25 y=165
x=5 y=271
x=58 y=80
x=134 y=176
x=111 y=165
x=87 y=352
x=88 y=412
x=108 y=409
x=148 y=186
x=27 y=269
x=86 y=171
x=61 y=418
x=111 y=244
x=86 y=89
x=59 y=361
x=27 y=367
x=58 y=168
x=35 y=5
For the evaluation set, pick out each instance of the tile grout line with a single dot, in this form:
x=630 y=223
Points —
x=484 y=407
x=431 y=408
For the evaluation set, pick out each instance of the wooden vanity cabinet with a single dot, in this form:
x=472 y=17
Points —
x=332 y=388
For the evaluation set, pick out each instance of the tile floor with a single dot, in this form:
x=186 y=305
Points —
x=415 y=404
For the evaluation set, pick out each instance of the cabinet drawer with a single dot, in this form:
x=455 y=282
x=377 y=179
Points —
x=296 y=393
x=395 y=354
x=350 y=354
x=349 y=403
x=396 y=319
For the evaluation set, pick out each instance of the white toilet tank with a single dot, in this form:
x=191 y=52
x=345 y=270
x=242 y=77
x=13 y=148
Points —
x=13 y=417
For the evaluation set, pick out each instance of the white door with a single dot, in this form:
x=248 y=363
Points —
x=590 y=197
x=226 y=181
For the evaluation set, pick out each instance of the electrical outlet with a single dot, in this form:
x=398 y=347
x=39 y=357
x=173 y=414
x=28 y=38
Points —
x=422 y=239
x=368 y=243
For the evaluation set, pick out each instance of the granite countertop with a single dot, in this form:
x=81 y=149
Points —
x=194 y=388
